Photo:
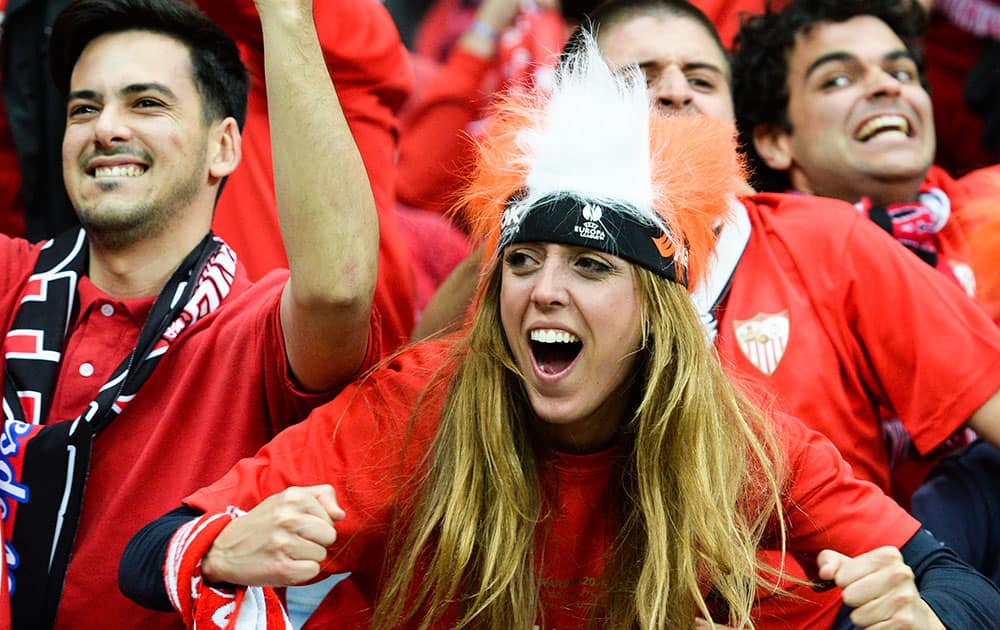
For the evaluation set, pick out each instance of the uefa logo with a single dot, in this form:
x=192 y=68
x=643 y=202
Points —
x=592 y=213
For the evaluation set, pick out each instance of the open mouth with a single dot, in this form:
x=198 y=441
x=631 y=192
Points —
x=554 y=350
x=884 y=126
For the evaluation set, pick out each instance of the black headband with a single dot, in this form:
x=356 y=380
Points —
x=571 y=221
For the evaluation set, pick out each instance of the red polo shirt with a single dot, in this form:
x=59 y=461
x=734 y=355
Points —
x=223 y=390
x=103 y=334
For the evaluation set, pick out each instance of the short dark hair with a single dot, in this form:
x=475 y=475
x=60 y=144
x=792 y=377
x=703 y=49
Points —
x=218 y=73
x=760 y=64
x=613 y=12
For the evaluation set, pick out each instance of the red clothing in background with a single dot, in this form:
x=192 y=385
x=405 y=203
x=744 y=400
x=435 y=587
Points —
x=454 y=91
x=726 y=14
x=371 y=72
x=11 y=206
x=951 y=53
x=437 y=247
x=364 y=444
x=436 y=150
x=981 y=217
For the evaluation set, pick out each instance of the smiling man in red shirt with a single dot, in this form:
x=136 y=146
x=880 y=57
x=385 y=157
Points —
x=139 y=361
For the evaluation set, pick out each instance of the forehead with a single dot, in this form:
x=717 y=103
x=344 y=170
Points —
x=568 y=250
x=133 y=57
x=865 y=38
x=660 y=37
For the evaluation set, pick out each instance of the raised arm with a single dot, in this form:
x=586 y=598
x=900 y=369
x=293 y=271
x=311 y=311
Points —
x=325 y=205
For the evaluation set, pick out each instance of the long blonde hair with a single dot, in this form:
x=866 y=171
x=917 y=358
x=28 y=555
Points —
x=701 y=477
x=701 y=481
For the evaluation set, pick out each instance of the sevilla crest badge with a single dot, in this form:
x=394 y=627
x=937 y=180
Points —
x=763 y=339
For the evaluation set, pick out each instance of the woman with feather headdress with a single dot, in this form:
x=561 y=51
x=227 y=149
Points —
x=576 y=457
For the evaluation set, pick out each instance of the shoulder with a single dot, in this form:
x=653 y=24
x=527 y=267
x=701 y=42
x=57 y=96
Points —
x=414 y=378
x=979 y=184
x=414 y=370
x=806 y=225
x=17 y=261
x=801 y=209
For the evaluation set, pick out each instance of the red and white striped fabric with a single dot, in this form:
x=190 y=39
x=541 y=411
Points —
x=205 y=607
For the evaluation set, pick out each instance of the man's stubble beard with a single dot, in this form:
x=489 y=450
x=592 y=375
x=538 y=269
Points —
x=118 y=228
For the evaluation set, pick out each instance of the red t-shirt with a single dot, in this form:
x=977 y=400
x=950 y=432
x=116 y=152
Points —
x=366 y=446
x=371 y=70
x=221 y=391
x=832 y=316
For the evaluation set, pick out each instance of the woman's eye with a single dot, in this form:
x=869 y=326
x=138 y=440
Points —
x=593 y=265
x=518 y=259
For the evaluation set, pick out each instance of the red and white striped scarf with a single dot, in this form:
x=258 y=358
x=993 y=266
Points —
x=207 y=607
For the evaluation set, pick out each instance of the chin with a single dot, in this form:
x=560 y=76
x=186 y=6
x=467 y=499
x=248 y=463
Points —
x=548 y=415
x=554 y=413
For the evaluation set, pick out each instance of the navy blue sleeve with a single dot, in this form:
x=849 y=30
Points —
x=961 y=597
x=140 y=572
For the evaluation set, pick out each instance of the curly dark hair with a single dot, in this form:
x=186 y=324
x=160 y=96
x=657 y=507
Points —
x=760 y=66
x=217 y=71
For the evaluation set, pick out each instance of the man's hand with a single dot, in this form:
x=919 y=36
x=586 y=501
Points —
x=880 y=588
x=281 y=542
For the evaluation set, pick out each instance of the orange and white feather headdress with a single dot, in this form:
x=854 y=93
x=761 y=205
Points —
x=594 y=164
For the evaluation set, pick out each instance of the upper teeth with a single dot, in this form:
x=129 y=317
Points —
x=550 y=335
x=129 y=170
x=888 y=122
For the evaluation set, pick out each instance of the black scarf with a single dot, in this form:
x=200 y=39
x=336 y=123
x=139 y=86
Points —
x=53 y=459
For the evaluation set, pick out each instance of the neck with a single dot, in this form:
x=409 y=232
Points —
x=891 y=192
x=140 y=269
x=881 y=192
x=577 y=442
